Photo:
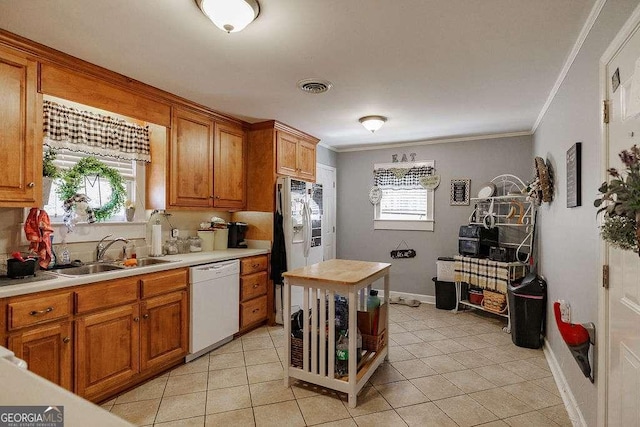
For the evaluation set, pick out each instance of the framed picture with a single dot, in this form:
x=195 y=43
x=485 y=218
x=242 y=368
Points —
x=574 y=184
x=460 y=192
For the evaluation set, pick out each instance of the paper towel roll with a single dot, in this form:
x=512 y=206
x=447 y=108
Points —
x=156 y=240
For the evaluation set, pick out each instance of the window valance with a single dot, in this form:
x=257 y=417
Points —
x=399 y=175
x=91 y=133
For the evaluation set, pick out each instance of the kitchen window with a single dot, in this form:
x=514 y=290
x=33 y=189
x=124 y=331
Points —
x=405 y=204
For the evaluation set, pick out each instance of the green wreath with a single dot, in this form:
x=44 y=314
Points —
x=73 y=178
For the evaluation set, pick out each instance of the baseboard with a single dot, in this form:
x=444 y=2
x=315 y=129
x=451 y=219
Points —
x=426 y=299
x=570 y=403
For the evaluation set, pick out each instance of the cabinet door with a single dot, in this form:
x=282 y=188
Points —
x=164 y=330
x=107 y=350
x=287 y=154
x=229 y=167
x=307 y=160
x=20 y=133
x=47 y=351
x=191 y=160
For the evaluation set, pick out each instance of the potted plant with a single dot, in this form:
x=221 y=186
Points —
x=49 y=172
x=622 y=212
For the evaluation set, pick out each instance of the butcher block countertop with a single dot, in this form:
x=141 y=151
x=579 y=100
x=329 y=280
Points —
x=338 y=272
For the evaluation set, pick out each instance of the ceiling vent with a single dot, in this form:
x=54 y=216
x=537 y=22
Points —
x=314 y=86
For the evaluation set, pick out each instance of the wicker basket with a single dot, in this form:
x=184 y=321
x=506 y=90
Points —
x=373 y=342
x=297 y=350
x=494 y=302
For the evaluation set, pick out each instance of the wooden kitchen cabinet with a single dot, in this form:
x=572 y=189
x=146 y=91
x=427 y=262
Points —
x=20 y=132
x=296 y=157
x=253 y=292
x=48 y=351
x=229 y=170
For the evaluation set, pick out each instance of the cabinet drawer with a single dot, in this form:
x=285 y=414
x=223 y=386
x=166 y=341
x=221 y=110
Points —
x=253 y=311
x=27 y=311
x=253 y=285
x=106 y=294
x=253 y=264
x=163 y=282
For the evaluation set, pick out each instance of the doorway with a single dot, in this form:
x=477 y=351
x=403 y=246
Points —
x=326 y=175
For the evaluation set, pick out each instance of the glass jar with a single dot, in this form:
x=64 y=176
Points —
x=195 y=244
x=183 y=245
x=171 y=247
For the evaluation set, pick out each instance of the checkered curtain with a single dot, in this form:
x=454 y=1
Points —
x=401 y=177
x=91 y=133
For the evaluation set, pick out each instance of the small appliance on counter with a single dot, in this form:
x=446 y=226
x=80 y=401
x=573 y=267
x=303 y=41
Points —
x=236 y=234
x=476 y=240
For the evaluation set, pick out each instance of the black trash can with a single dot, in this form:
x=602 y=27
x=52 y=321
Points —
x=527 y=311
x=445 y=294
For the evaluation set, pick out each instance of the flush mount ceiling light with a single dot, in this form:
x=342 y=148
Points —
x=373 y=123
x=230 y=15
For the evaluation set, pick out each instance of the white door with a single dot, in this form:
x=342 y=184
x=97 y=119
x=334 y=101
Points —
x=623 y=308
x=326 y=175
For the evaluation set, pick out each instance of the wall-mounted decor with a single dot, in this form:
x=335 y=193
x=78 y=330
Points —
x=375 y=194
x=430 y=182
x=574 y=170
x=411 y=158
x=403 y=253
x=460 y=192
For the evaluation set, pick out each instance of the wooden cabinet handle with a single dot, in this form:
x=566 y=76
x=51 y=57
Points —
x=218 y=197
x=39 y=312
x=255 y=265
x=66 y=340
x=136 y=319
x=31 y=184
x=145 y=316
x=256 y=285
x=255 y=310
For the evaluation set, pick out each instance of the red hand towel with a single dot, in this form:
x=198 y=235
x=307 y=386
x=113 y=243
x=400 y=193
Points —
x=44 y=247
x=31 y=229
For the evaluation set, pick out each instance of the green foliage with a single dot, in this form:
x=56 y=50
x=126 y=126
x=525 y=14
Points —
x=73 y=178
x=620 y=232
x=622 y=193
x=48 y=168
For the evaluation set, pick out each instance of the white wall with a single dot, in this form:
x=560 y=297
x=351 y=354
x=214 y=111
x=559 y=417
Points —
x=478 y=160
x=568 y=238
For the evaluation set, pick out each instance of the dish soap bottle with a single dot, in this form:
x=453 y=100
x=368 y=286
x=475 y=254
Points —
x=65 y=257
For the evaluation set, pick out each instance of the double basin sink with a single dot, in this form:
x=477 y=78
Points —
x=103 y=267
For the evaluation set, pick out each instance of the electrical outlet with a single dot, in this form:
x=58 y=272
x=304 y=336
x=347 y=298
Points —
x=565 y=311
x=175 y=232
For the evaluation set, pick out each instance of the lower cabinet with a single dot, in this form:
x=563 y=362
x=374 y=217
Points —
x=254 y=279
x=48 y=352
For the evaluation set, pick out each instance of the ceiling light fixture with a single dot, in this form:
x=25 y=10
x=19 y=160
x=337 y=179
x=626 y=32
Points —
x=230 y=15
x=373 y=123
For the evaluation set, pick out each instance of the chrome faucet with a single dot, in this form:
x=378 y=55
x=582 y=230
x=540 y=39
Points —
x=101 y=249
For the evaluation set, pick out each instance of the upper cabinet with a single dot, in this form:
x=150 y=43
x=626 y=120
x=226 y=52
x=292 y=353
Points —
x=20 y=132
x=229 y=161
x=296 y=156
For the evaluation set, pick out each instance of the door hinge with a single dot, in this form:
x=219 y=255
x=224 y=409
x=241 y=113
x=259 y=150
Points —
x=605 y=112
x=605 y=276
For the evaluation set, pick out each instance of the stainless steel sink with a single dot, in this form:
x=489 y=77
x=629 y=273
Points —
x=87 y=269
x=151 y=261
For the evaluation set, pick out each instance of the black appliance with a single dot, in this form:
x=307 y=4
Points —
x=236 y=234
x=502 y=254
x=476 y=240
x=527 y=310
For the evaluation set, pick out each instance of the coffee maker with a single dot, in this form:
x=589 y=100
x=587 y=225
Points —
x=236 y=234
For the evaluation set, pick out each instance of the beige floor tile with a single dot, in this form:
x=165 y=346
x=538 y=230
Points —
x=395 y=328
x=348 y=422
x=228 y=399
x=322 y=409
x=535 y=396
x=422 y=349
x=238 y=418
x=256 y=333
x=257 y=343
x=380 y=419
x=531 y=419
x=201 y=364
x=265 y=372
x=187 y=422
x=425 y=414
x=468 y=381
x=443 y=364
x=498 y=423
x=540 y=362
x=184 y=384
x=448 y=346
x=182 y=406
x=501 y=403
x=498 y=375
x=150 y=390
x=386 y=373
x=429 y=335
x=234 y=346
x=518 y=353
x=526 y=370
x=453 y=331
x=414 y=368
x=471 y=359
x=399 y=318
x=465 y=411
x=258 y=357
x=557 y=414
x=496 y=338
x=278 y=415
x=405 y=338
x=548 y=384
x=480 y=328
x=398 y=354
x=472 y=342
x=436 y=387
x=438 y=323
x=369 y=401
x=414 y=325
x=139 y=413
x=495 y=354
x=303 y=389
x=231 y=377
x=401 y=393
x=281 y=353
x=270 y=392
x=227 y=360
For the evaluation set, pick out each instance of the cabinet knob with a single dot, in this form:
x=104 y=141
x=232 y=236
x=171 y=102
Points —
x=255 y=310
x=39 y=312
x=31 y=184
x=256 y=285
x=66 y=340
x=136 y=319
x=212 y=197
x=218 y=197
x=145 y=316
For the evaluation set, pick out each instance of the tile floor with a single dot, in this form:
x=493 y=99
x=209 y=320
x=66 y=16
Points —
x=444 y=369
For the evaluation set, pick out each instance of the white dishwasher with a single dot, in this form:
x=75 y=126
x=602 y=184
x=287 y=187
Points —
x=215 y=301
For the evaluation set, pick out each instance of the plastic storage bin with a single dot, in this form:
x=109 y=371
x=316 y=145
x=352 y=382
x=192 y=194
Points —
x=445 y=268
x=445 y=294
x=527 y=308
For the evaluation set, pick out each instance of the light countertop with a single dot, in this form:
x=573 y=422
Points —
x=338 y=271
x=177 y=261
